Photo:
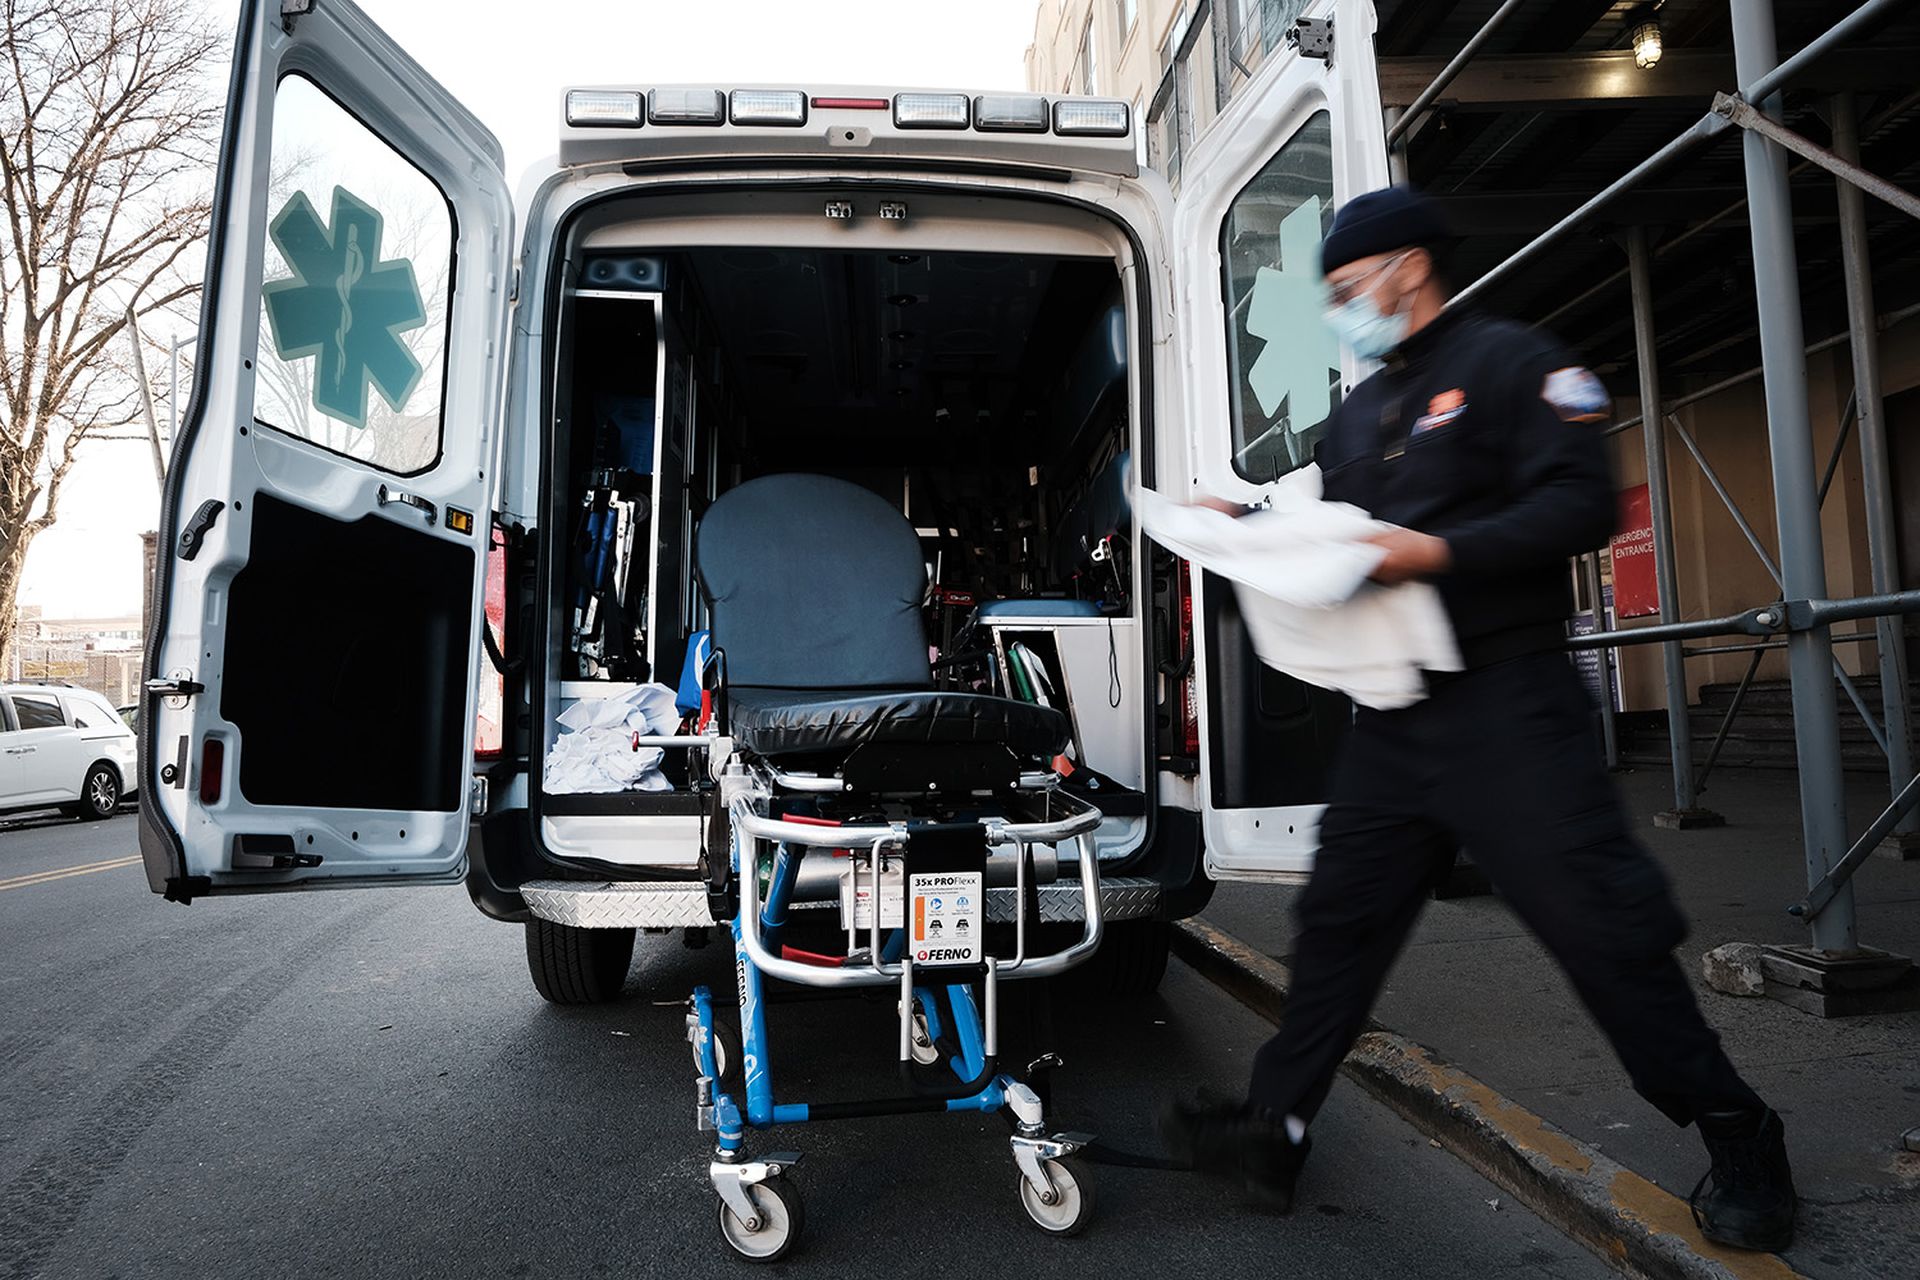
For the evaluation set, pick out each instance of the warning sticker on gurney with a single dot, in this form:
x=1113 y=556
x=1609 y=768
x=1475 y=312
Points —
x=949 y=913
x=856 y=896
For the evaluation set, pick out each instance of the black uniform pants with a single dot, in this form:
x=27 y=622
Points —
x=1501 y=762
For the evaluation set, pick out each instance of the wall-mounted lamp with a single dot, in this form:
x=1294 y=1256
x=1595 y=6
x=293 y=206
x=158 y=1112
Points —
x=1648 y=44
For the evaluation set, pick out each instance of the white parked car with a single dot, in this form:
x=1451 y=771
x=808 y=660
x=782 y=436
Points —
x=65 y=748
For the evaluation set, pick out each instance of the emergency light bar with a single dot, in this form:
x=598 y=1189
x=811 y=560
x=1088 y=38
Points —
x=1090 y=118
x=590 y=108
x=686 y=106
x=767 y=106
x=1010 y=113
x=931 y=111
x=691 y=122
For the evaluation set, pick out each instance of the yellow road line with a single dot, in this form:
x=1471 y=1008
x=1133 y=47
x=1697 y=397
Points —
x=61 y=873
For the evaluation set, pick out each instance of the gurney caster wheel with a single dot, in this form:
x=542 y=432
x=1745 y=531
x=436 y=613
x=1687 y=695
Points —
x=1072 y=1206
x=780 y=1216
x=726 y=1056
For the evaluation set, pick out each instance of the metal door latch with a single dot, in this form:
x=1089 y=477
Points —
x=1313 y=37
x=178 y=685
x=414 y=500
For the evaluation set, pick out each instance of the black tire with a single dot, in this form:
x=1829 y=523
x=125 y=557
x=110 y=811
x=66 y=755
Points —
x=578 y=966
x=786 y=1218
x=1131 y=961
x=100 y=793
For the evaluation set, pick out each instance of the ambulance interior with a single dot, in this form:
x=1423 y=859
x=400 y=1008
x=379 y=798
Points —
x=983 y=394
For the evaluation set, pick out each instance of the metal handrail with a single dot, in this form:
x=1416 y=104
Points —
x=754 y=828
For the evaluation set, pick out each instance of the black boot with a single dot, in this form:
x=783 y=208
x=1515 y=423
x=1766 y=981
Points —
x=1245 y=1143
x=1751 y=1203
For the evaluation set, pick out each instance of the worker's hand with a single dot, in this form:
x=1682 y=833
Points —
x=1410 y=556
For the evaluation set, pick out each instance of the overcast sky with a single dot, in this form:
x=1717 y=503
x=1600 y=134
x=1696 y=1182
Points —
x=507 y=60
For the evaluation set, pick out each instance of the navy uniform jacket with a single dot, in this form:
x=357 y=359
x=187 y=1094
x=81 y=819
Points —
x=1484 y=432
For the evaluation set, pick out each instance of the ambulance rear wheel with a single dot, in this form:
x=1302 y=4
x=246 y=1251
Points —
x=1071 y=1208
x=1130 y=963
x=578 y=966
x=775 y=1228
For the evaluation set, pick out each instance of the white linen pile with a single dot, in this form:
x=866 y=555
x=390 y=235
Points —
x=1300 y=571
x=595 y=751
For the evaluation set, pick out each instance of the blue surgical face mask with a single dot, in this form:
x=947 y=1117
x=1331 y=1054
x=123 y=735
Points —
x=1361 y=324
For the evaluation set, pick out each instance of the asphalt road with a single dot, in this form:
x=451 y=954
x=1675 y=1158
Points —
x=364 y=1083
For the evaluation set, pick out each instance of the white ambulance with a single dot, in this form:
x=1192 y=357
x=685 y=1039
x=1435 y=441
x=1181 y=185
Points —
x=432 y=512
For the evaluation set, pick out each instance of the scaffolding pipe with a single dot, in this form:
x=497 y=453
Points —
x=1726 y=498
x=1418 y=107
x=1660 y=500
x=1816 y=714
x=1726 y=721
x=1885 y=322
x=1838 y=883
x=1707 y=127
x=1609 y=731
x=1839 y=444
x=1883 y=538
x=1891 y=111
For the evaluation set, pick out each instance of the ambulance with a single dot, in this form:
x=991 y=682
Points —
x=427 y=545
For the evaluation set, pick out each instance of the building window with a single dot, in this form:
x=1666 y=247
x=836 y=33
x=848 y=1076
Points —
x=1089 y=71
x=1170 y=50
x=1129 y=14
x=1283 y=363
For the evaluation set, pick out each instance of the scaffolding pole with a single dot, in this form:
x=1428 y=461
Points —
x=1816 y=717
x=1609 y=729
x=1883 y=539
x=1686 y=811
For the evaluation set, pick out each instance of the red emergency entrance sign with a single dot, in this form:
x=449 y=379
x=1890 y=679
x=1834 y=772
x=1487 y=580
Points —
x=1636 y=590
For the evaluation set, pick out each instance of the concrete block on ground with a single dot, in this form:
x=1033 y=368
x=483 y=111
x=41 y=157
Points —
x=1688 y=819
x=1734 y=969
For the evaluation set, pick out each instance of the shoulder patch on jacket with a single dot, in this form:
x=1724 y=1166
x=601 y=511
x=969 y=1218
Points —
x=1576 y=394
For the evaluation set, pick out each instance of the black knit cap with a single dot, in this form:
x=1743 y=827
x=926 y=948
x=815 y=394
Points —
x=1381 y=221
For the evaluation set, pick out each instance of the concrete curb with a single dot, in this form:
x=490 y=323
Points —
x=1629 y=1222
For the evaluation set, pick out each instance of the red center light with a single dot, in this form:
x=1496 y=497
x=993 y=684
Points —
x=851 y=104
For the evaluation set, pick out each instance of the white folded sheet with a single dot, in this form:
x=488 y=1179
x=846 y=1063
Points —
x=1300 y=571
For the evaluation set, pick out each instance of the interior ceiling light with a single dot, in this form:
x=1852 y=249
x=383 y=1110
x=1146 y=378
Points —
x=1647 y=42
x=903 y=299
x=901 y=335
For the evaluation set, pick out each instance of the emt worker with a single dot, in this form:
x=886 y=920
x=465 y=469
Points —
x=1480 y=439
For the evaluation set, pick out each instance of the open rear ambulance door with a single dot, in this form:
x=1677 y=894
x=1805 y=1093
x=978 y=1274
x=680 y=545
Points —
x=1262 y=372
x=309 y=713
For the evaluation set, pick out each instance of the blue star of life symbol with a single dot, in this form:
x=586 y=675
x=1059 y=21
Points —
x=1294 y=366
x=344 y=306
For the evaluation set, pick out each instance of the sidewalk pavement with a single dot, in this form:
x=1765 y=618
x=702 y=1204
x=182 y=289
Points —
x=1475 y=988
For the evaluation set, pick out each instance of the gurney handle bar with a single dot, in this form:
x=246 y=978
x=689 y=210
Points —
x=999 y=831
x=807 y=975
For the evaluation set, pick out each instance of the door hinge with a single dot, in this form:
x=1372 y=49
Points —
x=1313 y=37
x=292 y=11
x=479 y=804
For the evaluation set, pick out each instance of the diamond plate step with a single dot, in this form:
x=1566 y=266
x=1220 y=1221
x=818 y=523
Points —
x=679 y=904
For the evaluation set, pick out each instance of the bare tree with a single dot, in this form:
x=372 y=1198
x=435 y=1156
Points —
x=108 y=120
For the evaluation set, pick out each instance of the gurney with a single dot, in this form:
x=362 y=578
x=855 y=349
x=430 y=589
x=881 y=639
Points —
x=844 y=775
